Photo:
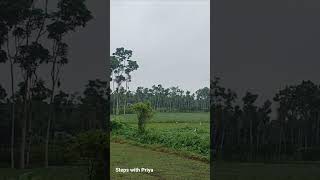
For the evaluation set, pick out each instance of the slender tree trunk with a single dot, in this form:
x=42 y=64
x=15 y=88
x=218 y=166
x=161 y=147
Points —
x=13 y=100
x=29 y=133
x=23 y=127
x=12 y=114
x=222 y=134
x=113 y=99
x=51 y=113
x=126 y=99
x=317 y=129
x=48 y=130
x=305 y=142
x=257 y=145
x=251 y=137
x=117 y=110
x=238 y=135
x=222 y=143
x=300 y=138
x=292 y=136
x=280 y=142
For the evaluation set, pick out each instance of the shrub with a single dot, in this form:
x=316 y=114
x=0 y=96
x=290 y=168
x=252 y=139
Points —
x=144 y=112
x=115 y=125
x=91 y=146
x=130 y=109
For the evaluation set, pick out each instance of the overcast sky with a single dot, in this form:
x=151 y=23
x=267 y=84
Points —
x=170 y=40
x=267 y=45
x=88 y=52
x=262 y=46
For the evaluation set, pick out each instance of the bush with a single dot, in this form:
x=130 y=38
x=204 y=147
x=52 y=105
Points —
x=144 y=112
x=130 y=109
x=115 y=125
x=91 y=147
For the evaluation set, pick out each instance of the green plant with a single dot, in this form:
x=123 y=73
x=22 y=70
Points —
x=144 y=112
x=91 y=146
x=116 y=125
x=177 y=138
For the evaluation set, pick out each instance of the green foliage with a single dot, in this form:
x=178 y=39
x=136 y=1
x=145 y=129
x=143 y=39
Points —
x=189 y=137
x=115 y=125
x=178 y=139
x=91 y=146
x=163 y=99
x=130 y=110
x=144 y=112
x=91 y=143
x=3 y=93
x=3 y=56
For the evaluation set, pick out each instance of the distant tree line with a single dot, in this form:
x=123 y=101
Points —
x=246 y=131
x=162 y=99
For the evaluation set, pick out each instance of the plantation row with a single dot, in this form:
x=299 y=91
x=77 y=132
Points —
x=246 y=132
x=73 y=114
x=162 y=99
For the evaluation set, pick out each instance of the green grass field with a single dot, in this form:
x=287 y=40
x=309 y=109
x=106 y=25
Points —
x=164 y=165
x=186 y=137
x=180 y=131
x=168 y=118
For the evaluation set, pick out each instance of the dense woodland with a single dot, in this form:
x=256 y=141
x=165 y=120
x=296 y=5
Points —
x=246 y=132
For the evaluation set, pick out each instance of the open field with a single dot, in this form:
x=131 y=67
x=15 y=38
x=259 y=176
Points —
x=186 y=137
x=179 y=131
x=165 y=166
x=261 y=171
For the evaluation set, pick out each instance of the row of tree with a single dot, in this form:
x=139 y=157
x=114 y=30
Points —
x=246 y=131
x=73 y=114
x=162 y=99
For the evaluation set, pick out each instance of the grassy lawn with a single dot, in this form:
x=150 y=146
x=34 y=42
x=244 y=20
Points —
x=165 y=166
x=260 y=171
x=52 y=173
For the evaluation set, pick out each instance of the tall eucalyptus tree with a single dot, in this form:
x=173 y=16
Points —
x=122 y=67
